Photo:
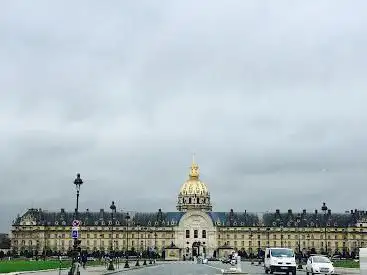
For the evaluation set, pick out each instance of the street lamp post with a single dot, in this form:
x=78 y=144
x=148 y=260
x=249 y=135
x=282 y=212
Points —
x=145 y=246
x=138 y=247
x=150 y=252
x=127 y=240
x=78 y=182
x=324 y=209
x=299 y=242
x=268 y=236
x=112 y=256
x=251 y=252
x=155 y=245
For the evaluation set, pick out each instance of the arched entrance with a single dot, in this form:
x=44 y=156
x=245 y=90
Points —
x=196 y=251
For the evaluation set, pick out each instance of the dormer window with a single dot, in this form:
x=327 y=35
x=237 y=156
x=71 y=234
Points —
x=56 y=223
x=96 y=223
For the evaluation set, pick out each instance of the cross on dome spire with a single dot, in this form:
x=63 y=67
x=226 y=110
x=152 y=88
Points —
x=194 y=170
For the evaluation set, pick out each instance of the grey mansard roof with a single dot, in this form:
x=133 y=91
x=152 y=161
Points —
x=169 y=219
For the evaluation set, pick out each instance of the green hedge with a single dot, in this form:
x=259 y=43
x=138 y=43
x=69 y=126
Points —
x=346 y=264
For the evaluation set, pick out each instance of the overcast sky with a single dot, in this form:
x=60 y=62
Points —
x=271 y=96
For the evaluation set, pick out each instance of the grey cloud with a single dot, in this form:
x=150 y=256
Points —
x=270 y=97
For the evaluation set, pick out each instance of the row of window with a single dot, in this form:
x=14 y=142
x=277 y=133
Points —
x=321 y=236
x=88 y=242
x=304 y=244
x=196 y=234
x=101 y=236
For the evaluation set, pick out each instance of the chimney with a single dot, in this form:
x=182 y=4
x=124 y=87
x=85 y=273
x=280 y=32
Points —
x=329 y=211
x=277 y=211
x=316 y=211
x=289 y=211
x=351 y=211
x=231 y=210
x=62 y=210
x=304 y=211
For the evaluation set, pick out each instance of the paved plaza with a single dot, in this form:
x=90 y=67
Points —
x=181 y=268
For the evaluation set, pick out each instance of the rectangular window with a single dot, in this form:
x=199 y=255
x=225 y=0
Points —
x=243 y=243
x=195 y=234
x=235 y=244
x=204 y=234
x=275 y=243
x=187 y=234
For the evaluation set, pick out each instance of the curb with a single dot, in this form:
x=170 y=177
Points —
x=35 y=271
x=31 y=271
x=127 y=269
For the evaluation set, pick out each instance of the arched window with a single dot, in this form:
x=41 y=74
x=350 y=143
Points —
x=204 y=234
x=187 y=233
x=197 y=200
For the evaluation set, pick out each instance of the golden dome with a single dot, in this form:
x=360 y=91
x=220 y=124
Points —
x=193 y=186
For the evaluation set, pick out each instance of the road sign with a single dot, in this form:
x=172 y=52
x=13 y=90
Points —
x=75 y=223
x=74 y=234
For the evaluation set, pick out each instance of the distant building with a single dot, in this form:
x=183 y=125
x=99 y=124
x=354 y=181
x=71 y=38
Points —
x=4 y=243
x=194 y=229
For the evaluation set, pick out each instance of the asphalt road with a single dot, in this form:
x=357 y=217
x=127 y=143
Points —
x=190 y=268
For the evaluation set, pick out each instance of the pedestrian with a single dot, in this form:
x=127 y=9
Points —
x=84 y=260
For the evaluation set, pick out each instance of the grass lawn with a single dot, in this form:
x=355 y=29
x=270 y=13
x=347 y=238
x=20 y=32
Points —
x=23 y=265
x=346 y=263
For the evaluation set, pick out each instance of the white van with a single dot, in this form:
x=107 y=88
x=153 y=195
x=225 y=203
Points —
x=280 y=260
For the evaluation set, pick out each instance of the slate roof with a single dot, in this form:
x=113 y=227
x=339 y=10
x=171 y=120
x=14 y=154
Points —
x=315 y=219
x=170 y=219
x=102 y=217
x=232 y=218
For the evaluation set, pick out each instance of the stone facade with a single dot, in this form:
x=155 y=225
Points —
x=194 y=229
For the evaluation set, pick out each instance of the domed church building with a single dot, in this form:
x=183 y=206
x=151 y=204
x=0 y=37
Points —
x=194 y=229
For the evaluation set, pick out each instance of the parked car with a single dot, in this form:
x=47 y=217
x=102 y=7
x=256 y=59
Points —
x=319 y=264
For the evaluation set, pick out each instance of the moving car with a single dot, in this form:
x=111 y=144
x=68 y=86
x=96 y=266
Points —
x=319 y=264
x=279 y=260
